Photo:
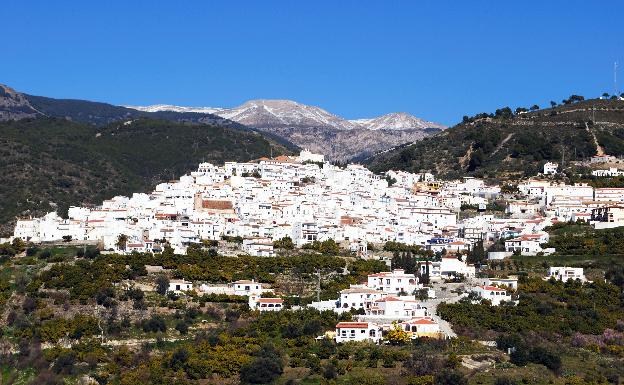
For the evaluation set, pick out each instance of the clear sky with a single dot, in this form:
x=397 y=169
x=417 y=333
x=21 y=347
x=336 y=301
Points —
x=438 y=60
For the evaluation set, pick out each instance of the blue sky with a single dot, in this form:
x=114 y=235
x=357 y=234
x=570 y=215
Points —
x=435 y=59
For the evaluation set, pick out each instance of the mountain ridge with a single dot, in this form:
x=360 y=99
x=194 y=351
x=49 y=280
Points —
x=393 y=120
x=318 y=130
x=504 y=145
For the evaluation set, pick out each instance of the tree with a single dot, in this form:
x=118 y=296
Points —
x=450 y=377
x=122 y=241
x=397 y=336
x=155 y=324
x=29 y=305
x=179 y=358
x=65 y=363
x=266 y=367
x=505 y=381
x=162 y=284
x=182 y=327
x=284 y=243
x=329 y=247
x=477 y=254
x=553 y=104
x=535 y=107
x=504 y=113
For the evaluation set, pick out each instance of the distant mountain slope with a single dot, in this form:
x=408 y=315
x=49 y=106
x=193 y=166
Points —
x=51 y=162
x=397 y=121
x=170 y=107
x=84 y=111
x=14 y=105
x=504 y=145
x=320 y=131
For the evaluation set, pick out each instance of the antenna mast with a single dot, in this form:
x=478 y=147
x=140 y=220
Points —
x=615 y=87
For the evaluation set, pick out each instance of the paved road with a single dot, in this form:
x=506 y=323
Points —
x=449 y=295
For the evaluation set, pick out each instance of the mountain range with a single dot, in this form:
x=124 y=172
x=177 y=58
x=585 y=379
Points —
x=318 y=130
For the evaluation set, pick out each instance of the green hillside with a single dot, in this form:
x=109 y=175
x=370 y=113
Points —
x=510 y=145
x=52 y=162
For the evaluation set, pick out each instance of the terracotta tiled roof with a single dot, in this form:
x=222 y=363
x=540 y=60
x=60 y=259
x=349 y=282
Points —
x=270 y=300
x=491 y=288
x=217 y=204
x=352 y=325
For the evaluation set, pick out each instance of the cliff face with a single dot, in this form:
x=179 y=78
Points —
x=14 y=106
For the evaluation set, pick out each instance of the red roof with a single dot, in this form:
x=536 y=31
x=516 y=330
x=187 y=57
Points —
x=388 y=299
x=271 y=300
x=421 y=321
x=217 y=204
x=353 y=325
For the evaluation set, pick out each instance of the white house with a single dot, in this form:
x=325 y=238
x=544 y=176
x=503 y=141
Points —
x=447 y=268
x=393 y=282
x=519 y=209
x=494 y=294
x=511 y=283
x=358 y=297
x=566 y=273
x=258 y=247
x=307 y=156
x=266 y=304
x=527 y=244
x=246 y=287
x=550 y=168
x=397 y=308
x=607 y=217
x=422 y=327
x=357 y=331
x=180 y=285
x=611 y=172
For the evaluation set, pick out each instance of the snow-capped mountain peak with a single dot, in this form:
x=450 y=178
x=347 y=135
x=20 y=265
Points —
x=274 y=113
x=169 y=107
x=396 y=121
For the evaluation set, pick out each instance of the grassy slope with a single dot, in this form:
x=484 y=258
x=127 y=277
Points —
x=513 y=147
x=54 y=160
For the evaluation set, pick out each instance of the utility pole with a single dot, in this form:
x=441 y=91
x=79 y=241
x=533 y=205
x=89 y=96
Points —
x=318 y=286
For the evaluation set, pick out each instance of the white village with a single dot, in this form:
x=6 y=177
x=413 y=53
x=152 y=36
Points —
x=305 y=199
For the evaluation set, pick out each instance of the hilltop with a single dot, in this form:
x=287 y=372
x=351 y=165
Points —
x=52 y=163
x=510 y=145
